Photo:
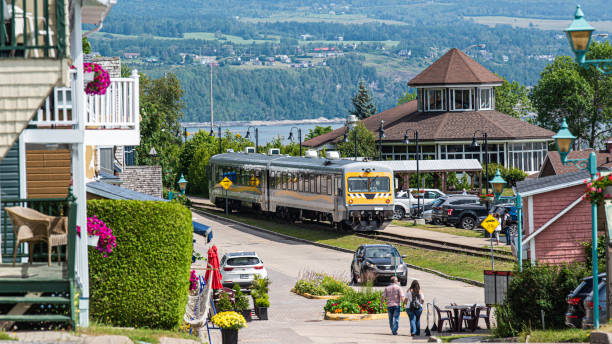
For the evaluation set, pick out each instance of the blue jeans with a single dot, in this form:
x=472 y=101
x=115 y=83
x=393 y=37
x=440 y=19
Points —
x=415 y=321
x=508 y=236
x=394 y=314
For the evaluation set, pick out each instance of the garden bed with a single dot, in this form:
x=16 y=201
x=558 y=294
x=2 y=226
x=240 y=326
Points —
x=315 y=297
x=317 y=285
x=359 y=316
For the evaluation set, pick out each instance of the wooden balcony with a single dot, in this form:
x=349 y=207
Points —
x=30 y=280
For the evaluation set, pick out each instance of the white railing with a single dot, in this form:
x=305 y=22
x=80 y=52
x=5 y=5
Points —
x=118 y=108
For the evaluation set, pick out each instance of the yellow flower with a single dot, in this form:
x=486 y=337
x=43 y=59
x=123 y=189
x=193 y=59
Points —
x=229 y=320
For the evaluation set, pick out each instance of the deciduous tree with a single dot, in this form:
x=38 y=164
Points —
x=366 y=143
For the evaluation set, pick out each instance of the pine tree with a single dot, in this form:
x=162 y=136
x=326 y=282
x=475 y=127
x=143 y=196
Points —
x=362 y=102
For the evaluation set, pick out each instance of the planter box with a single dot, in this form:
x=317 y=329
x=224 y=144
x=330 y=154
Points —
x=247 y=315
x=229 y=336
x=262 y=313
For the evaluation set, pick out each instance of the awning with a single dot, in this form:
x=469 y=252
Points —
x=203 y=230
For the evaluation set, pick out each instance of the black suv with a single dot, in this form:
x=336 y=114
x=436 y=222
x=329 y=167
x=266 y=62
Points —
x=466 y=216
x=440 y=206
x=575 y=301
x=378 y=263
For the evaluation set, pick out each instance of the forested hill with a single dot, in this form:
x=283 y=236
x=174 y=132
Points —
x=281 y=93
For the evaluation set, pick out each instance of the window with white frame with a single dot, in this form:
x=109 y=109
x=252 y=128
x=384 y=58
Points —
x=461 y=99
x=486 y=98
x=434 y=100
x=527 y=156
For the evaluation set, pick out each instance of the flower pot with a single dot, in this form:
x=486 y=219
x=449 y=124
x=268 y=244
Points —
x=92 y=240
x=229 y=336
x=247 y=315
x=262 y=313
x=88 y=77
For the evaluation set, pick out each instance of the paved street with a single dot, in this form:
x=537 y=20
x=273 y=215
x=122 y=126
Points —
x=296 y=319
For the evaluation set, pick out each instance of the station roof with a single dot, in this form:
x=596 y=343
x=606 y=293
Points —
x=409 y=166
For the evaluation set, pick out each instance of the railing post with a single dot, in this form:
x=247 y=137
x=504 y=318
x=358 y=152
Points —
x=60 y=18
x=72 y=233
x=136 y=99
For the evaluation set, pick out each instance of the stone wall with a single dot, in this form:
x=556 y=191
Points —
x=145 y=179
x=111 y=64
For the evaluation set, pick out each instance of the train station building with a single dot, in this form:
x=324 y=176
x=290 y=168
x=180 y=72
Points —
x=455 y=104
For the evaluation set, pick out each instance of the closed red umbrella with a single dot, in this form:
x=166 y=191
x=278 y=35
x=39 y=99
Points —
x=213 y=266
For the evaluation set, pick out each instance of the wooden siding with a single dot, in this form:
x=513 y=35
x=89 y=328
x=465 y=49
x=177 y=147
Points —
x=48 y=173
x=561 y=241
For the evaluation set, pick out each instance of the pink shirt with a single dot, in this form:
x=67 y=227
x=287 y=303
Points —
x=393 y=294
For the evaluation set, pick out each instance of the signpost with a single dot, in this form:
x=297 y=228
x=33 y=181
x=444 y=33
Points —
x=226 y=183
x=489 y=224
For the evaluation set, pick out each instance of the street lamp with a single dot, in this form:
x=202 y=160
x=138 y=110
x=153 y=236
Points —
x=563 y=140
x=497 y=183
x=185 y=133
x=182 y=184
x=579 y=36
x=212 y=133
x=475 y=144
x=381 y=135
x=153 y=154
x=299 y=131
x=248 y=134
x=351 y=124
x=418 y=157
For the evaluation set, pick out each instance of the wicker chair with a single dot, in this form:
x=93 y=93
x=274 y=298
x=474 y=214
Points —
x=32 y=226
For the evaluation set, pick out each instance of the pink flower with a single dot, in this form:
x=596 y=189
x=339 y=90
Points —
x=589 y=185
x=610 y=177
x=586 y=181
x=607 y=195
x=593 y=189
x=599 y=190
x=598 y=174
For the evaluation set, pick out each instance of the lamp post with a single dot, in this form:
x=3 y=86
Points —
x=185 y=133
x=381 y=135
x=248 y=134
x=299 y=131
x=182 y=184
x=212 y=133
x=351 y=124
x=475 y=144
x=153 y=154
x=579 y=36
x=564 y=140
x=418 y=157
x=497 y=183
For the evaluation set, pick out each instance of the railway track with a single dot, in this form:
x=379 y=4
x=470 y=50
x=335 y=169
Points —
x=390 y=238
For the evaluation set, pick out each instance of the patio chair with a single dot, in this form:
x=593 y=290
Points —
x=448 y=317
x=32 y=226
x=470 y=317
x=486 y=316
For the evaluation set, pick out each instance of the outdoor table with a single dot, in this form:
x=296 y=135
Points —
x=458 y=314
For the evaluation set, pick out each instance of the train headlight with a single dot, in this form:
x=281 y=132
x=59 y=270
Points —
x=350 y=201
x=388 y=201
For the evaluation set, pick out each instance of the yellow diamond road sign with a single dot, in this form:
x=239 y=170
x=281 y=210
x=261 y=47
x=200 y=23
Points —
x=490 y=223
x=226 y=183
x=254 y=181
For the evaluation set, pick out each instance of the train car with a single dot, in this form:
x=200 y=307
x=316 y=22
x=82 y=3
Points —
x=348 y=194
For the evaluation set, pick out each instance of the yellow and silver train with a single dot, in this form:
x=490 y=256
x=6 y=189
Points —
x=353 y=195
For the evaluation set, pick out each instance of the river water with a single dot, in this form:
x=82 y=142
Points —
x=267 y=130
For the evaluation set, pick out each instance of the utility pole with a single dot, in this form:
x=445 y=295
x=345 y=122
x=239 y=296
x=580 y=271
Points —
x=211 y=98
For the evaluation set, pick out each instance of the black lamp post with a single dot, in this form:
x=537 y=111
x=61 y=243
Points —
x=418 y=157
x=476 y=145
x=381 y=135
x=185 y=133
x=248 y=134
x=153 y=154
x=212 y=133
x=299 y=131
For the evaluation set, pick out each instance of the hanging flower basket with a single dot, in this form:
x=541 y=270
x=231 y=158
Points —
x=486 y=198
x=100 y=81
x=92 y=240
x=598 y=189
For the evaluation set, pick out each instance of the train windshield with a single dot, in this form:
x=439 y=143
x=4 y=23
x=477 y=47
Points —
x=368 y=184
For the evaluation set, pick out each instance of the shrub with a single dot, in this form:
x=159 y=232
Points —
x=601 y=253
x=333 y=286
x=145 y=281
x=241 y=302
x=262 y=302
x=224 y=303
x=316 y=283
x=310 y=287
x=511 y=175
x=366 y=300
x=538 y=288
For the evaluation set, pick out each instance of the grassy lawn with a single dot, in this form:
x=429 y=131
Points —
x=543 y=24
x=210 y=36
x=306 y=17
x=570 y=335
x=5 y=336
x=453 y=264
x=136 y=335
x=449 y=230
x=449 y=339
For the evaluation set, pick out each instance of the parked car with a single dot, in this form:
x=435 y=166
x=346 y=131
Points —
x=576 y=309
x=406 y=201
x=379 y=262
x=440 y=213
x=468 y=215
x=240 y=268
x=587 y=320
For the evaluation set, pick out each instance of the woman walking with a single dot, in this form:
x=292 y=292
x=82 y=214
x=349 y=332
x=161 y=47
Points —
x=415 y=300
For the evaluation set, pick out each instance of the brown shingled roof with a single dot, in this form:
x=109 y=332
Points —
x=604 y=159
x=455 y=67
x=439 y=126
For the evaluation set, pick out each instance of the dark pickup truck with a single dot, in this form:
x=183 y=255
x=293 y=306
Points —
x=466 y=216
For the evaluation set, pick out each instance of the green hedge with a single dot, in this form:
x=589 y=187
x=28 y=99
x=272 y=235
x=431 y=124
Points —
x=144 y=282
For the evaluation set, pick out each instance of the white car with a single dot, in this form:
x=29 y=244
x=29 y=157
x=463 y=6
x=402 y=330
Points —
x=240 y=268
x=405 y=202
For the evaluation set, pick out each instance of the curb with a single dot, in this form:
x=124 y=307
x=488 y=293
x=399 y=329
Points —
x=289 y=237
x=316 y=297
x=359 y=317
